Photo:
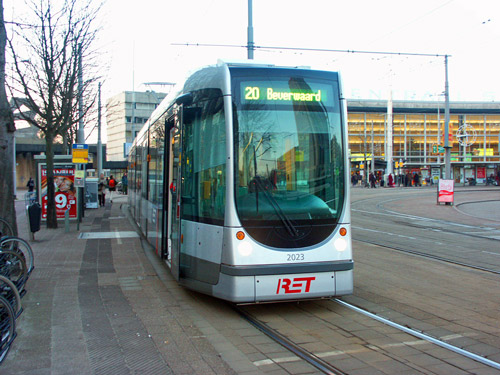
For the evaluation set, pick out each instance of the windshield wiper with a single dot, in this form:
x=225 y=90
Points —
x=287 y=223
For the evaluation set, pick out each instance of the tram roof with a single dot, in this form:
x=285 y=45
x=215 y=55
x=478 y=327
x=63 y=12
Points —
x=208 y=73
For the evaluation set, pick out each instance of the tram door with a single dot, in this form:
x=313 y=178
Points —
x=173 y=206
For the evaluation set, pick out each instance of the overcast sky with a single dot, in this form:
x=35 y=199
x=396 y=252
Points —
x=138 y=36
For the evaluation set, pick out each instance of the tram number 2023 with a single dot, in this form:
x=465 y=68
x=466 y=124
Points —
x=295 y=257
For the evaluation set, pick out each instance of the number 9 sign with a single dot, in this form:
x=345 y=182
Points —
x=61 y=200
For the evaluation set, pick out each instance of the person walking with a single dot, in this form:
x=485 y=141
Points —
x=101 y=190
x=30 y=185
x=112 y=187
x=124 y=184
x=372 y=180
x=390 y=181
x=416 y=180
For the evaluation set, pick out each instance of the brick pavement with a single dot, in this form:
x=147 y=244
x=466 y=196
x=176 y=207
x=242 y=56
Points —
x=98 y=306
x=108 y=306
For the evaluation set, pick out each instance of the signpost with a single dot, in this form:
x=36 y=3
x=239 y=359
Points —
x=80 y=156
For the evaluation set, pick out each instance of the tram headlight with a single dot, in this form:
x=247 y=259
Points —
x=245 y=248
x=340 y=244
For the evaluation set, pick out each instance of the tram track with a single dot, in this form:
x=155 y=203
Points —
x=430 y=256
x=394 y=216
x=300 y=352
x=328 y=368
x=421 y=335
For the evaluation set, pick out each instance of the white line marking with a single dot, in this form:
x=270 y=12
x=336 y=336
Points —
x=419 y=218
x=381 y=232
x=489 y=252
x=104 y=235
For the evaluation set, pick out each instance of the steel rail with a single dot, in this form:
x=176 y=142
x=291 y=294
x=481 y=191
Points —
x=422 y=335
x=431 y=256
x=307 y=356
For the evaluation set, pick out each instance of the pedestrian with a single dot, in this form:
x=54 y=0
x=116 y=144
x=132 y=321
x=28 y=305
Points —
x=30 y=185
x=372 y=180
x=112 y=187
x=390 y=181
x=124 y=183
x=416 y=180
x=101 y=190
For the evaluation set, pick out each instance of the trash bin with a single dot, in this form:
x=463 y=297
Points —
x=34 y=217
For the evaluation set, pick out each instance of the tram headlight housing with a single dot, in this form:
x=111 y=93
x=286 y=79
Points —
x=245 y=248
x=340 y=244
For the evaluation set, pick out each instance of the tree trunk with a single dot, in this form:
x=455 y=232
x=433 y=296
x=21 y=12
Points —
x=7 y=128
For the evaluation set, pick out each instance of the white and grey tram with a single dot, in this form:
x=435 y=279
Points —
x=240 y=181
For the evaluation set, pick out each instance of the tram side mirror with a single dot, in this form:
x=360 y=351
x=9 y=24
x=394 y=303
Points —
x=185 y=99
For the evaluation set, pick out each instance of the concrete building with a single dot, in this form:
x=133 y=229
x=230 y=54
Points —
x=126 y=114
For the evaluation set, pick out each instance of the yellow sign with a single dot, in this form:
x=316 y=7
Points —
x=480 y=152
x=80 y=154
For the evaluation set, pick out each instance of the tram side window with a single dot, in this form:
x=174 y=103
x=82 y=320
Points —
x=138 y=169
x=144 y=170
x=204 y=162
x=156 y=150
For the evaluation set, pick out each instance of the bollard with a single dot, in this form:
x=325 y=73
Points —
x=66 y=221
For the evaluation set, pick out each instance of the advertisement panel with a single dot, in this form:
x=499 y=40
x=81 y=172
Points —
x=481 y=173
x=435 y=175
x=446 y=191
x=91 y=191
x=65 y=191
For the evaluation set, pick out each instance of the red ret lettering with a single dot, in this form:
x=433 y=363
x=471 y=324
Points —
x=295 y=285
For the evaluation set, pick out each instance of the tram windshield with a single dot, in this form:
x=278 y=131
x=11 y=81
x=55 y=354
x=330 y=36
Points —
x=288 y=146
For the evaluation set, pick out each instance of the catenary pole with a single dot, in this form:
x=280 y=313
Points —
x=99 y=141
x=250 y=45
x=447 y=147
x=389 y=141
x=80 y=134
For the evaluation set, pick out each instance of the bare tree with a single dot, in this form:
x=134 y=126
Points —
x=7 y=128
x=49 y=51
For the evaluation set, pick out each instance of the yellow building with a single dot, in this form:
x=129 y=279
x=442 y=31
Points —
x=418 y=136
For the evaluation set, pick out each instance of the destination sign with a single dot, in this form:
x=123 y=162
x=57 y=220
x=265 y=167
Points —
x=287 y=92
x=254 y=93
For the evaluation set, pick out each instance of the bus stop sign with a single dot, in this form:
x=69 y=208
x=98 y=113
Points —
x=80 y=153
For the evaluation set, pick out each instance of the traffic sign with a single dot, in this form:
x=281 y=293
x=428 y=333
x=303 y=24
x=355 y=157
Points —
x=80 y=153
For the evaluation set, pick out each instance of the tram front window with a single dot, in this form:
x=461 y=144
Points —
x=290 y=168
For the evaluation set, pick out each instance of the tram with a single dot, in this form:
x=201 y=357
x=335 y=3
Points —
x=240 y=181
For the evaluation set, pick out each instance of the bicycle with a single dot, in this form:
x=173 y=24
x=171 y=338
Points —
x=13 y=266
x=9 y=291
x=20 y=246
x=7 y=327
x=5 y=228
